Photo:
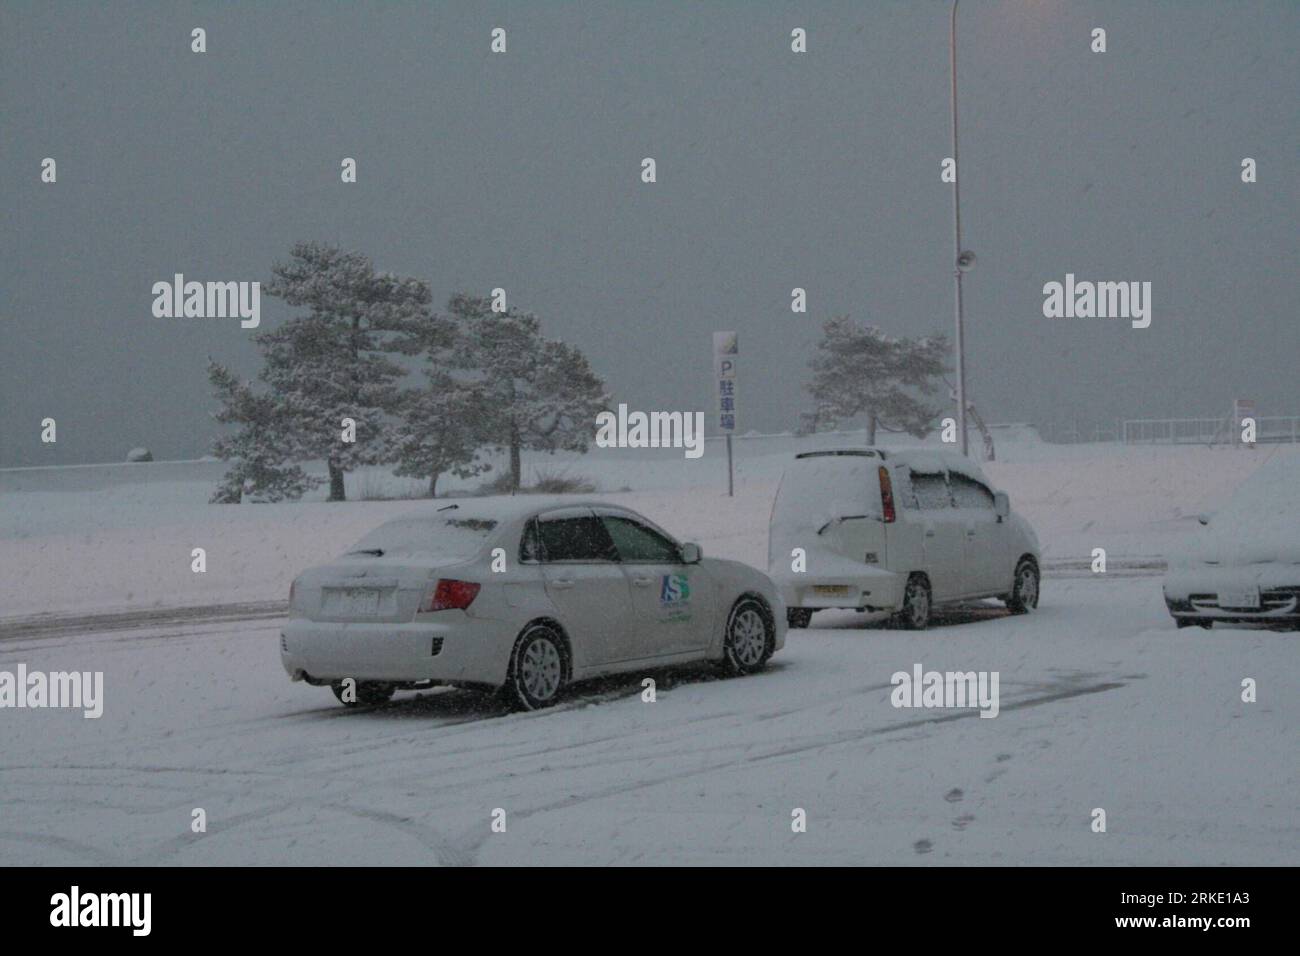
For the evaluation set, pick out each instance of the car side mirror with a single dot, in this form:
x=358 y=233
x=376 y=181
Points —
x=1001 y=504
x=691 y=553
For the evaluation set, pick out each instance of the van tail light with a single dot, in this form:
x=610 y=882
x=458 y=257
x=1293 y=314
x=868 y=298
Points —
x=450 y=595
x=886 y=495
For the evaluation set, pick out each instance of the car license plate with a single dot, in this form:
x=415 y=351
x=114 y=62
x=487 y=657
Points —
x=358 y=601
x=831 y=590
x=1245 y=597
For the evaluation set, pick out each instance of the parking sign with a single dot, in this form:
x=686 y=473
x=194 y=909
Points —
x=726 y=351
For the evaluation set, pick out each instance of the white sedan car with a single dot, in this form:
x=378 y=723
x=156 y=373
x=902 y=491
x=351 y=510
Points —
x=1244 y=565
x=523 y=595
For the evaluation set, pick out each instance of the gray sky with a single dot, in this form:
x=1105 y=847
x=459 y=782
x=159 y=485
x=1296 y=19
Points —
x=775 y=170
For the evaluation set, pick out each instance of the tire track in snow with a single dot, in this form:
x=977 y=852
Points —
x=475 y=843
x=41 y=626
x=446 y=851
x=602 y=753
x=79 y=849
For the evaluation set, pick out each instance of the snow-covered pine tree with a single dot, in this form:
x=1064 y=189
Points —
x=859 y=370
x=534 y=393
x=440 y=426
x=336 y=361
x=257 y=449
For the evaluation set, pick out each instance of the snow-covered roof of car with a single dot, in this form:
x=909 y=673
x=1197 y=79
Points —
x=919 y=458
x=499 y=507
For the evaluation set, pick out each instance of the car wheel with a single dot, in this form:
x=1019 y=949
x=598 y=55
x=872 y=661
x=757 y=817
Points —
x=368 y=693
x=1024 y=593
x=537 y=668
x=915 y=615
x=749 y=638
x=798 y=616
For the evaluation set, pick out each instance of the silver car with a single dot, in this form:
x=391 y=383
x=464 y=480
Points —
x=522 y=595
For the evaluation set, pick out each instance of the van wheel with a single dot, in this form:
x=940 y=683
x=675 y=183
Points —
x=749 y=638
x=537 y=668
x=798 y=616
x=915 y=615
x=368 y=693
x=1024 y=593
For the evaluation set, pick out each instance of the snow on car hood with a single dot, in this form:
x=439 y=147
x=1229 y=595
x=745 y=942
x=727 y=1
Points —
x=1259 y=524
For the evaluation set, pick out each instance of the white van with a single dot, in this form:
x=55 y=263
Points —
x=897 y=531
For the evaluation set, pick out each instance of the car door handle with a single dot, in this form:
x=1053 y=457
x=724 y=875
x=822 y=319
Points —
x=643 y=582
x=563 y=582
x=970 y=533
x=929 y=533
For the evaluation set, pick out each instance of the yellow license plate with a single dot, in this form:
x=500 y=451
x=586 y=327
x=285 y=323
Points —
x=831 y=590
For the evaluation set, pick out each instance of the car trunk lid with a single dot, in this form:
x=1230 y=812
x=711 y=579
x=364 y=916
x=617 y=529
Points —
x=376 y=590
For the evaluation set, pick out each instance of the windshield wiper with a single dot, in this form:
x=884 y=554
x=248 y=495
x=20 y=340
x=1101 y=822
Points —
x=377 y=552
x=842 y=520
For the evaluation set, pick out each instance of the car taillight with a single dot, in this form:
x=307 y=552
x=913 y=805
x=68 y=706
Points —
x=448 y=595
x=886 y=495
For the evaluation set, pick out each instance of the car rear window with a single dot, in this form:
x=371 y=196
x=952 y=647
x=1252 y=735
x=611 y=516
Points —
x=443 y=536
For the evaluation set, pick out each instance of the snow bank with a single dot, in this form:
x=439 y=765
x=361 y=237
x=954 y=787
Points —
x=122 y=536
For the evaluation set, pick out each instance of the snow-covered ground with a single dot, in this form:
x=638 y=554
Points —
x=1103 y=703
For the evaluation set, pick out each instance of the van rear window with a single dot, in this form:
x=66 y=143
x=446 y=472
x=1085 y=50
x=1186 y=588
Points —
x=818 y=489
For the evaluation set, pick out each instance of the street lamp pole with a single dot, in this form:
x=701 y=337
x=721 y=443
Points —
x=956 y=239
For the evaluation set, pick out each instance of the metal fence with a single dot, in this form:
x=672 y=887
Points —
x=1206 y=431
x=1075 y=432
